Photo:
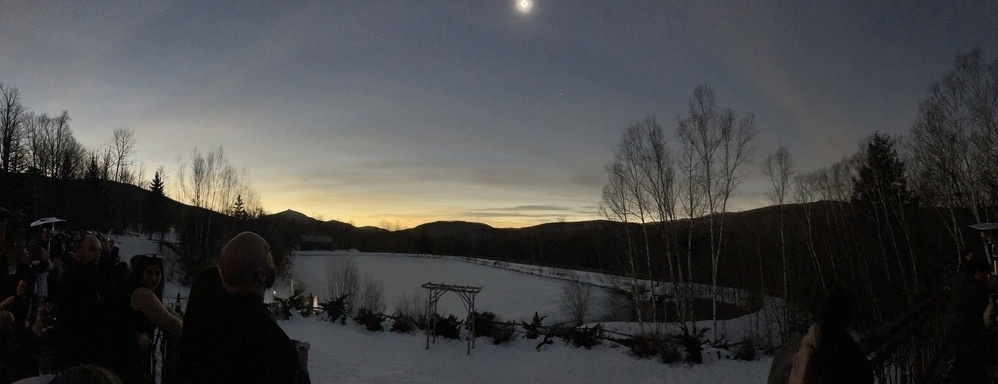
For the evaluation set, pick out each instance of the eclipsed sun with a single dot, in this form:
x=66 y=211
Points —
x=524 y=6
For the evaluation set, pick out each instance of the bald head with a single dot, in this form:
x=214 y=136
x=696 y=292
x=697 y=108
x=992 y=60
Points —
x=88 y=249
x=245 y=262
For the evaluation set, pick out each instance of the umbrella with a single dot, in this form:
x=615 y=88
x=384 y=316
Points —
x=46 y=220
x=985 y=226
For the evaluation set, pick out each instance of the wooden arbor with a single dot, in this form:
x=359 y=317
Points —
x=433 y=293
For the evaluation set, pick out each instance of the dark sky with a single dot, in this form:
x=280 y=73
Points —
x=415 y=111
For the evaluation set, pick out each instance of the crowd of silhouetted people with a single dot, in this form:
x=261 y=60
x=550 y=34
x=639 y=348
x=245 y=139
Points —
x=74 y=312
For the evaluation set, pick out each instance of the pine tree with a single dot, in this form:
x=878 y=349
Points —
x=153 y=217
x=881 y=176
x=239 y=209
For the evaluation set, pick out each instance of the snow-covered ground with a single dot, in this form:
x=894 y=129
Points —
x=350 y=354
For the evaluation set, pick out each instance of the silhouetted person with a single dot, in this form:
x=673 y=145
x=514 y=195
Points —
x=234 y=339
x=77 y=302
x=828 y=354
x=969 y=300
x=135 y=310
x=19 y=304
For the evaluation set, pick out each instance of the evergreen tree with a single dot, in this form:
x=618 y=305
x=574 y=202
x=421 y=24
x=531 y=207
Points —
x=881 y=176
x=239 y=209
x=153 y=218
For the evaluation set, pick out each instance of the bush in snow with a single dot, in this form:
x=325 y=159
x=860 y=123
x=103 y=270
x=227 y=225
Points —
x=504 y=333
x=585 y=337
x=534 y=328
x=576 y=299
x=403 y=323
x=644 y=345
x=296 y=302
x=693 y=341
x=449 y=327
x=671 y=351
x=335 y=309
x=372 y=297
x=344 y=280
x=746 y=350
x=487 y=324
x=410 y=313
x=370 y=319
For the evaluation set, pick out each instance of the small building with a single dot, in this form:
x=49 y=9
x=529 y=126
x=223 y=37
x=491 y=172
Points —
x=316 y=243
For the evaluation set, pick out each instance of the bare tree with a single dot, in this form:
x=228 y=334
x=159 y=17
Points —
x=12 y=118
x=721 y=149
x=122 y=149
x=953 y=145
x=343 y=279
x=576 y=301
x=616 y=205
x=372 y=297
x=778 y=169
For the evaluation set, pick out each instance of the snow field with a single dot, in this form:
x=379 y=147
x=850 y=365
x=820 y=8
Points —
x=350 y=354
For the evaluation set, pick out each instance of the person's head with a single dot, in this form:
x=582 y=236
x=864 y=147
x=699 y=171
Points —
x=23 y=255
x=88 y=250
x=980 y=269
x=147 y=271
x=22 y=287
x=836 y=311
x=246 y=265
x=967 y=254
x=206 y=285
x=122 y=270
x=88 y=374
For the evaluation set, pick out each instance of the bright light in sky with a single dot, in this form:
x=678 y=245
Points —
x=524 y=6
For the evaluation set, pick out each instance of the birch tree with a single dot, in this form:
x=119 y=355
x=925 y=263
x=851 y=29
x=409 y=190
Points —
x=722 y=147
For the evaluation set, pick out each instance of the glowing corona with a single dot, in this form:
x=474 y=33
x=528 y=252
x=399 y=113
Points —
x=524 y=6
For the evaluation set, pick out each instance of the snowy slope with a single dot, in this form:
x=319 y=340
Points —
x=349 y=354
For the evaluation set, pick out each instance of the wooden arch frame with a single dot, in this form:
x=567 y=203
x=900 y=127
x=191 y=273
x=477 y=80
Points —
x=467 y=294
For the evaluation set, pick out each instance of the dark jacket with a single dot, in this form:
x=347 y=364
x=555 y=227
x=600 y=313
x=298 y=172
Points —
x=78 y=302
x=28 y=273
x=233 y=339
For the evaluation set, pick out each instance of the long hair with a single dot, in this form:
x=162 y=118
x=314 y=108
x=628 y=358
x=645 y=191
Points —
x=139 y=264
x=837 y=358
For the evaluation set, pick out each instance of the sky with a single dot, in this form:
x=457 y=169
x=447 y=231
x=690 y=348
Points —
x=408 y=112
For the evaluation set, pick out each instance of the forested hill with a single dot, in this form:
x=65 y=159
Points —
x=823 y=242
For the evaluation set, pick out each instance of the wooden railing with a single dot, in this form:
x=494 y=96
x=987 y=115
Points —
x=912 y=347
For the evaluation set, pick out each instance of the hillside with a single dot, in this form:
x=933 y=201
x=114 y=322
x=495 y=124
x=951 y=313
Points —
x=825 y=242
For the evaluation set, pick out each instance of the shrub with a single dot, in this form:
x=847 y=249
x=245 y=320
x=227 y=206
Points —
x=344 y=280
x=585 y=337
x=485 y=323
x=284 y=307
x=410 y=313
x=642 y=347
x=534 y=328
x=671 y=352
x=370 y=320
x=489 y=325
x=504 y=333
x=449 y=327
x=746 y=350
x=403 y=323
x=335 y=309
x=576 y=299
x=693 y=342
x=372 y=297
